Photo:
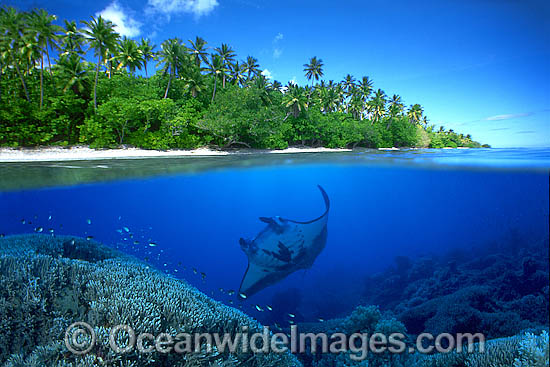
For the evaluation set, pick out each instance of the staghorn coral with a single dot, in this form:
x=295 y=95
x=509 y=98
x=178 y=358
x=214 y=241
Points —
x=533 y=350
x=524 y=350
x=47 y=283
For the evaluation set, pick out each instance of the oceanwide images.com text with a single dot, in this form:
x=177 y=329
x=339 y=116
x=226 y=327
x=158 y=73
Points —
x=81 y=338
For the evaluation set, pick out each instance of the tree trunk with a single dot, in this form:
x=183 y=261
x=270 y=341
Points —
x=145 y=65
x=215 y=82
x=41 y=80
x=49 y=63
x=95 y=83
x=20 y=77
x=168 y=86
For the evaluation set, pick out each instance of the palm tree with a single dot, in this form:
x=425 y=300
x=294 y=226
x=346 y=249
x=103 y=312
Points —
x=72 y=70
x=47 y=33
x=314 y=70
x=227 y=55
x=147 y=52
x=129 y=55
x=12 y=24
x=172 y=50
x=295 y=100
x=194 y=82
x=377 y=105
x=365 y=86
x=238 y=73
x=198 y=50
x=328 y=99
x=71 y=40
x=276 y=85
x=415 y=113
x=215 y=68
x=396 y=105
x=356 y=106
x=102 y=38
x=425 y=121
x=251 y=67
x=349 y=84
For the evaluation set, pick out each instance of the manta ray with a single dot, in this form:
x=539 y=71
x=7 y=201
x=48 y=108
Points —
x=281 y=248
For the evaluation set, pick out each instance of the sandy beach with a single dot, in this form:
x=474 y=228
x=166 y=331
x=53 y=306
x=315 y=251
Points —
x=85 y=153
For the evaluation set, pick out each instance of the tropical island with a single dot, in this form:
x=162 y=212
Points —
x=50 y=95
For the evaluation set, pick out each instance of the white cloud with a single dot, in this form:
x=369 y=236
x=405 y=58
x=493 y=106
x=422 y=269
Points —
x=277 y=51
x=125 y=25
x=506 y=117
x=267 y=74
x=196 y=7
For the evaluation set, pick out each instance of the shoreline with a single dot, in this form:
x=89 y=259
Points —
x=80 y=153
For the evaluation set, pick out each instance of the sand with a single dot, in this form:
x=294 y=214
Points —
x=85 y=153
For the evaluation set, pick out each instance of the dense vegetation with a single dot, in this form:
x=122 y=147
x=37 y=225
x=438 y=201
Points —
x=195 y=98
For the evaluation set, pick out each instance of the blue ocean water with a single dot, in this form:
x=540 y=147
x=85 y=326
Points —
x=414 y=205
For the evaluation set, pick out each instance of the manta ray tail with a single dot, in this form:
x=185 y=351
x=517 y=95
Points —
x=325 y=197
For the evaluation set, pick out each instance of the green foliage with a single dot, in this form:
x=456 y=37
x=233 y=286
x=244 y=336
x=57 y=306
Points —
x=194 y=99
x=240 y=117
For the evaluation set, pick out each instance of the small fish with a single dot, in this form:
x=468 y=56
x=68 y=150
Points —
x=269 y=307
x=230 y=301
x=50 y=217
x=221 y=290
x=195 y=271
x=136 y=242
x=51 y=230
x=291 y=322
x=259 y=308
x=23 y=221
x=165 y=264
x=89 y=238
x=291 y=315
x=119 y=231
x=152 y=244
x=277 y=326
x=242 y=295
x=175 y=270
x=2 y=235
x=321 y=320
x=203 y=276
x=89 y=221
x=126 y=229
x=230 y=292
x=119 y=217
x=38 y=229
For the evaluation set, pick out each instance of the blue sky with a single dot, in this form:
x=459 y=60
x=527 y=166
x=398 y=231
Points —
x=479 y=67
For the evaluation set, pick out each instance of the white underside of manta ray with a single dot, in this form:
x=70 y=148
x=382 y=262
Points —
x=282 y=248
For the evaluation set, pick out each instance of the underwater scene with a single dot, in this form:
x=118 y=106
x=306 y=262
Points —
x=340 y=246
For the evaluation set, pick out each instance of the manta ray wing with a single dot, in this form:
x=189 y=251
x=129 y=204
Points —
x=281 y=248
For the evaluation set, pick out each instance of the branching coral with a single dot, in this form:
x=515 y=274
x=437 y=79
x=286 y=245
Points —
x=47 y=283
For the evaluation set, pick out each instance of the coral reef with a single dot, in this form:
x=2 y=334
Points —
x=499 y=291
x=47 y=283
